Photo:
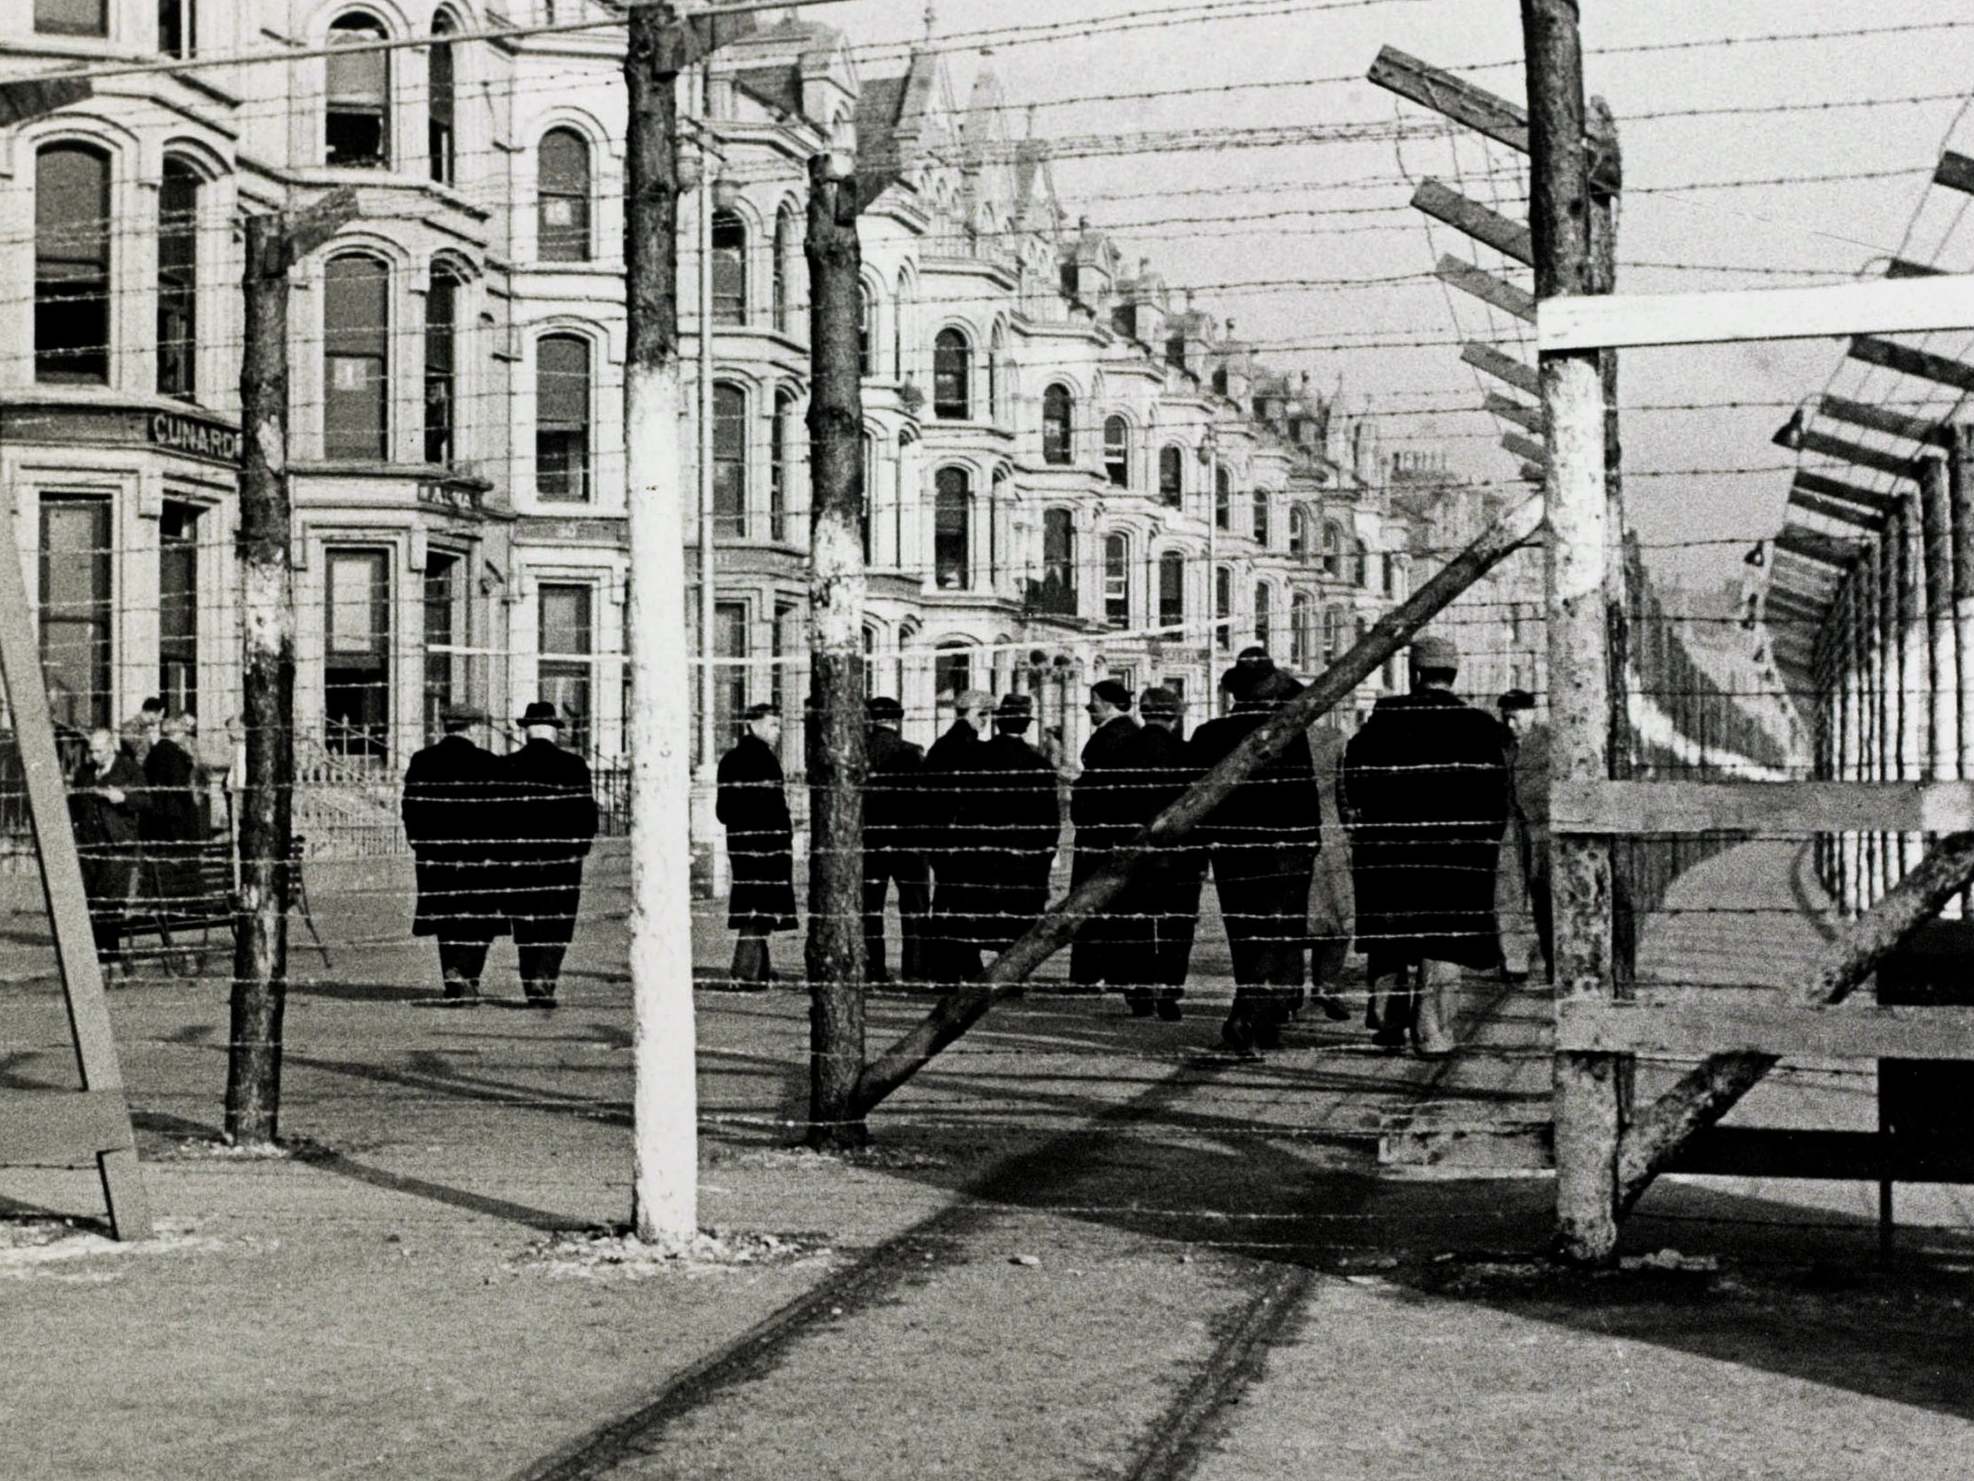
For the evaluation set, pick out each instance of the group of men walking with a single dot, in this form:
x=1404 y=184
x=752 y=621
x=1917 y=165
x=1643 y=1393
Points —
x=967 y=833
x=498 y=844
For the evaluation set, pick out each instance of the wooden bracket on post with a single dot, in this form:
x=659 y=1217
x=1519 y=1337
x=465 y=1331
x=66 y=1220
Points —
x=1882 y=419
x=1533 y=453
x=1814 y=545
x=1822 y=444
x=1490 y=361
x=1904 y=359
x=1489 y=228
x=1849 y=493
x=1519 y=412
x=1489 y=289
x=1843 y=512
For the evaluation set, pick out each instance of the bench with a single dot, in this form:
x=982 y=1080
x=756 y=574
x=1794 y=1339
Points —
x=214 y=903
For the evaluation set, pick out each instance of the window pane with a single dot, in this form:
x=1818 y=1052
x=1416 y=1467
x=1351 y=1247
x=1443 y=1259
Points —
x=1056 y=411
x=178 y=279
x=1056 y=592
x=72 y=264
x=1261 y=517
x=439 y=103
x=1117 y=581
x=1117 y=451
x=1171 y=589
x=356 y=701
x=178 y=607
x=441 y=313
x=356 y=126
x=1171 y=476
x=729 y=269
x=562 y=411
x=563 y=197
x=178 y=27
x=75 y=610
x=72 y=17
x=565 y=619
x=443 y=590
x=949 y=375
x=356 y=317
x=1223 y=499
x=729 y=462
x=949 y=528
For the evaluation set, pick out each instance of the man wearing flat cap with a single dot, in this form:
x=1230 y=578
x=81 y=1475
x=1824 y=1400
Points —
x=452 y=820
x=1424 y=793
x=1261 y=842
x=1005 y=829
x=552 y=822
x=1100 y=808
x=891 y=801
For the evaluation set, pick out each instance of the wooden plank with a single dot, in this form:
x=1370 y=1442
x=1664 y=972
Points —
x=1694 y=1031
x=1773 y=808
x=1836 y=488
x=1814 y=546
x=1480 y=110
x=61 y=876
x=1930 y=431
x=1955 y=172
x=1532 y=473
x=61 y=1128
x=1848 y=514
x=1502 y=367
x=1519 y=412
x=1489 y=228
x=1742 y=315
x=1846 y=1156
x=1456 y=272
x=1908 y=361
x=1525 y=448
x=25 y=98
x=1824 y=445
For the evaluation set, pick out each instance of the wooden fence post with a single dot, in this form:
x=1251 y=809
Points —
x=836 y=597
x=1942 y=730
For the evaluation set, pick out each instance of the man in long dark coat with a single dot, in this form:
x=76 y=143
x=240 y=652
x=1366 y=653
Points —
x=891 y=798
x=1424 y=793
x=953 y=767
x=551 y=816
x=1102 y=809
x=107 y=800
x=452 y=811
x=1009 y=822
x=1261 y=844
x=1159 y=909
x=170 y=824
x=753 y=805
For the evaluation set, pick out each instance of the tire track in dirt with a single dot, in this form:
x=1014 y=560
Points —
x=1264 y=1294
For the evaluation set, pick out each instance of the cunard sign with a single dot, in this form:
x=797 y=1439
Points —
x=194 y=436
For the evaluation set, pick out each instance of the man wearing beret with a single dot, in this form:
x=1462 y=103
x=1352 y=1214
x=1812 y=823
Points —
x=1424 y=793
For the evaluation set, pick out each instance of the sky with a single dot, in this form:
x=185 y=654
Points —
x=1311 y=249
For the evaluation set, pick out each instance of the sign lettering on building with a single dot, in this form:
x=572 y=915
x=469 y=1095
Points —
x=194 y=436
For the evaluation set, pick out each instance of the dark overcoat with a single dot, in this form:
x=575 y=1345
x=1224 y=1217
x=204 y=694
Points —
x=1261 y=843
x=550 y=808
x=169 y=824
x=453 y=819
x=954 y=755
x=107 y=834
x=1101 y=807
x=760 y=837
x=1005 y=830
x=1424 y=792
x=1157 y=769
x=891 y=795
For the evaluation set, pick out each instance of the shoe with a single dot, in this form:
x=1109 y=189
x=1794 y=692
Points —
x=1391 y=1040
x=1333 y=1006
x=1267 y=1036
x=1237 y=1036
x=1169 y=1010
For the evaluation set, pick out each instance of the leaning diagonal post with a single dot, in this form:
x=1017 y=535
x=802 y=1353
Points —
x=1707 y=1092
x=959 y=1012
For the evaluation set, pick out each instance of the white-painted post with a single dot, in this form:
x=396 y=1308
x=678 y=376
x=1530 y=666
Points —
x=665 y=1101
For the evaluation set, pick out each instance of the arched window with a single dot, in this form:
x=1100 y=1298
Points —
x=441 y=358
x=1223 y=607
x=950 y=392
x=1299 y=633
x=1332 y=633
x=178 y=26
x=438 y=100
x=866 y=319
x=1261 y=530
x=900 y=307
x=951 y=514
x=1058 y=407
x=1264 y=616
x=997 y=350
x=784 y=266
x=1223 y=498
x=1117 y=581
x=999 y=498
x=1172 y=591
x=562 y=187
x=1171 y=476
x=562 y=412
x=729 y=268
x=178 y=280
x=356 y=339
x=72 y=264
x=357 y=122
x=952 y=669
x=1362 y=571
x=1332 y=550
x=1117 y=452
x=870 y=497
x=1057 y=593
x=1298 y=532
x=729 y=461
x=781 y=477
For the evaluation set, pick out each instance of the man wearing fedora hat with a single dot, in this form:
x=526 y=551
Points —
x=892 y=839
x=1424 y=793
x=753 y=807
x=552 y=823
x=451 y=815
